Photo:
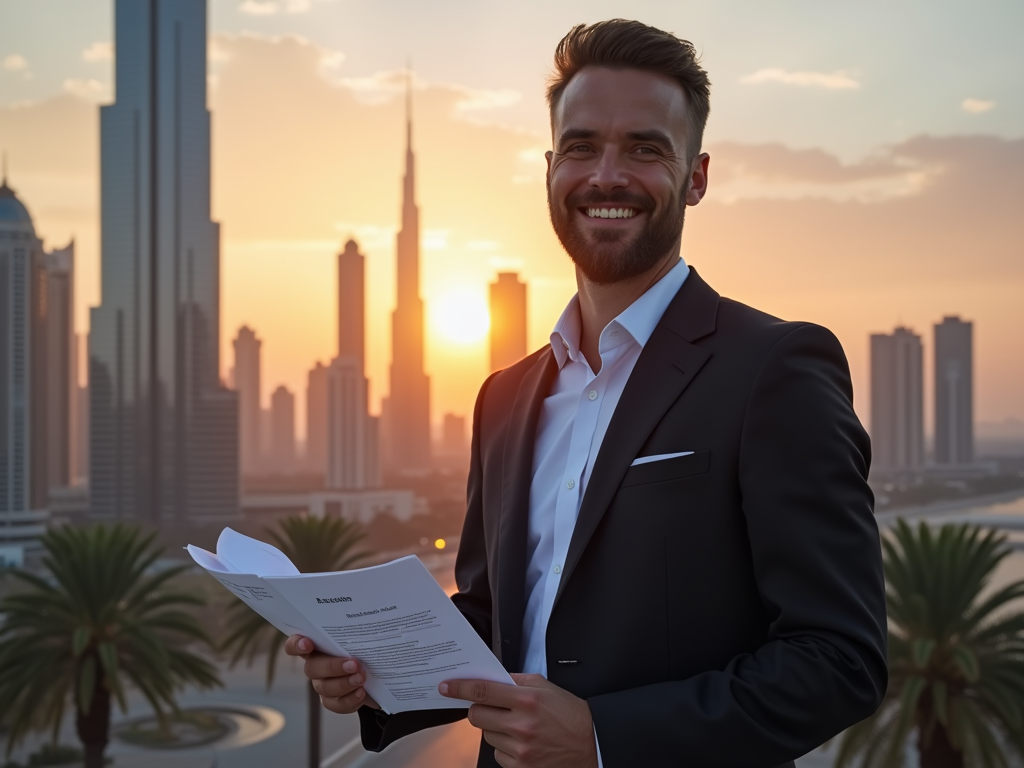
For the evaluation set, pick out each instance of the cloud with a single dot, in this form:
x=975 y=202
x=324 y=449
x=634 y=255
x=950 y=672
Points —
x=99 y=51
x=976 y=106
x=840 y=80
x=258 y=8
x=15 y=63
x=90 y=90
x=383 y=87
x=270 y=8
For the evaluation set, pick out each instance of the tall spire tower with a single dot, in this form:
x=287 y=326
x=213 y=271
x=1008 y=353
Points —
x=407 y=408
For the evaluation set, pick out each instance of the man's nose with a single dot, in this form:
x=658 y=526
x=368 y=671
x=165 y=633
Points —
x=609 y=173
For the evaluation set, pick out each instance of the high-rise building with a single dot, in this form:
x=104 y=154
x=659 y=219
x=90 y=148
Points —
x=61 y=364
x=248 y=382
x=164 y=431
x=316 y=419
x=406 y=410
x=282 y=431
x=897 y=401
x=24 y=468
x=80 y=450
x=954 y=391
x=453 y=434
x=351 y=432
x=508 y=320
x=352 y=303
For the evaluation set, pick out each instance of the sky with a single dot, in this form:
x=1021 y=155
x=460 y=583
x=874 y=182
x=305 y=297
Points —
x=867 y=165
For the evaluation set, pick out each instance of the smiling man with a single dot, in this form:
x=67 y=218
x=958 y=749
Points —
x=669 y=537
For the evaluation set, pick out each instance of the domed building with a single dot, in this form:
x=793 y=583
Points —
x=36 y=333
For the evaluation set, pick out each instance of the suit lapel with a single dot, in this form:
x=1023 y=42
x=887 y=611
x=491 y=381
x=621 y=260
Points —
x=666 y=366
x=516 y=478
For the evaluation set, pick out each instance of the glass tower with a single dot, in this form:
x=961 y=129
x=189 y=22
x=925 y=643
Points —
x=164 y=431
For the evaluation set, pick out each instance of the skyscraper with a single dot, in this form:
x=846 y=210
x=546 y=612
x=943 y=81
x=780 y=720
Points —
x=352 y=303
x=508 y=320
x=406 y=411
x=349 y=425
x=164 y=432
x=80 y=444
x=61 y=360
x=316 y=419
x=897 y=401
x=248 y=383
x=453 y=435
x=23 y=386
x=352 y=439
x=282 y=431
x=954 y=392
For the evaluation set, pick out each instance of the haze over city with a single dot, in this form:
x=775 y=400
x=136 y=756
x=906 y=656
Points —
x=867 y=168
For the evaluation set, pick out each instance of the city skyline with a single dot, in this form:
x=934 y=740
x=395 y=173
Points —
x=766 y=234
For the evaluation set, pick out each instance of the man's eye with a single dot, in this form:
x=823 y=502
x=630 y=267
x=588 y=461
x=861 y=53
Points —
x=645 y=150
x=579 y=148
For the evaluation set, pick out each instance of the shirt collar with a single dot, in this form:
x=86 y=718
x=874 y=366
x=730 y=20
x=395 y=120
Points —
x=639 y=319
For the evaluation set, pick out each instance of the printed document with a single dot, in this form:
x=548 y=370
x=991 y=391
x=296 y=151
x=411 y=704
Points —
x=394 y=618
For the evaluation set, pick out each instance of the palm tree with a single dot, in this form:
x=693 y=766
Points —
x=103 y=619
x=956 y=654
x=314 y=545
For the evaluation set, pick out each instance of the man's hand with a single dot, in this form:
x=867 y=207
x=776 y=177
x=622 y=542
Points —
x=533 y=724
x=338 y=680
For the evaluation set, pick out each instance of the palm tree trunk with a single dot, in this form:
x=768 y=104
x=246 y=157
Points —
x=94 y=728
x=938 y=752
x=314 y=726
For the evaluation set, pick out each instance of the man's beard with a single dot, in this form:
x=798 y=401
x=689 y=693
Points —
x=607 y=256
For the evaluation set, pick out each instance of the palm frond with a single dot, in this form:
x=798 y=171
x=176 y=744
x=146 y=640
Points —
x=102 y=617
x=956 y=650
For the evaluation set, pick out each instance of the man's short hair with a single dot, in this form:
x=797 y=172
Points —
x=624 y=44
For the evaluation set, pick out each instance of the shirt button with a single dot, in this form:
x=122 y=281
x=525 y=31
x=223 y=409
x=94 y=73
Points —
x=557 y=569
x=571 y=484
x=592 y=394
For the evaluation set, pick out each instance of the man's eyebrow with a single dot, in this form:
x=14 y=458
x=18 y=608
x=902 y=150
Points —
x=572 y=134
x=652 y=135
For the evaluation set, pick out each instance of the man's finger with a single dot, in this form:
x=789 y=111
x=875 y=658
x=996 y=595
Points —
x=504 y=759
x=345 y=705
x=481 y=692
x=501 y=742
x=488 y=718
x=320 y=665
x=297 y=645
x=333 y=687
x=531 y=681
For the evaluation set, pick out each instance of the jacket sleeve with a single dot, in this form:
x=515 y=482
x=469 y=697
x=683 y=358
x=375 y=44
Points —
x=473 y=599
x=802 y=470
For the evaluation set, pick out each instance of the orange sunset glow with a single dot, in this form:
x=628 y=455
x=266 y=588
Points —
x=307 y=150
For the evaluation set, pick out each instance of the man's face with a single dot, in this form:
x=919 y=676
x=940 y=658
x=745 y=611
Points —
x=619 y=177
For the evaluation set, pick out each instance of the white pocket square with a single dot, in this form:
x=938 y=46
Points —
x=659 y=457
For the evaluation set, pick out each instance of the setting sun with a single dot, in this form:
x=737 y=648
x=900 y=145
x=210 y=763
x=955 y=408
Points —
x=460 y=316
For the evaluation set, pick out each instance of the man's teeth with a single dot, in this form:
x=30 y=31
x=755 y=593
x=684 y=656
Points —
x=611 y=213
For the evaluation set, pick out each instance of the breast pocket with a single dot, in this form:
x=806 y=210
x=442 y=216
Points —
x=667 y=469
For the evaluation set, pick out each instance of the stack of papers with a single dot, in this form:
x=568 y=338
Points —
x=394 y=618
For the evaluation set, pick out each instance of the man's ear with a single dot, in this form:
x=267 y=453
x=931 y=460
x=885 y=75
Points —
x=698 y=186
x=547 y=156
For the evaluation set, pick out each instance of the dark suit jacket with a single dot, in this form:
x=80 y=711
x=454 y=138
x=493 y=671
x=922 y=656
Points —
x=719 y=609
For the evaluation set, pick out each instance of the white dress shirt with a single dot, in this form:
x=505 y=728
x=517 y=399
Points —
x=571 y=428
